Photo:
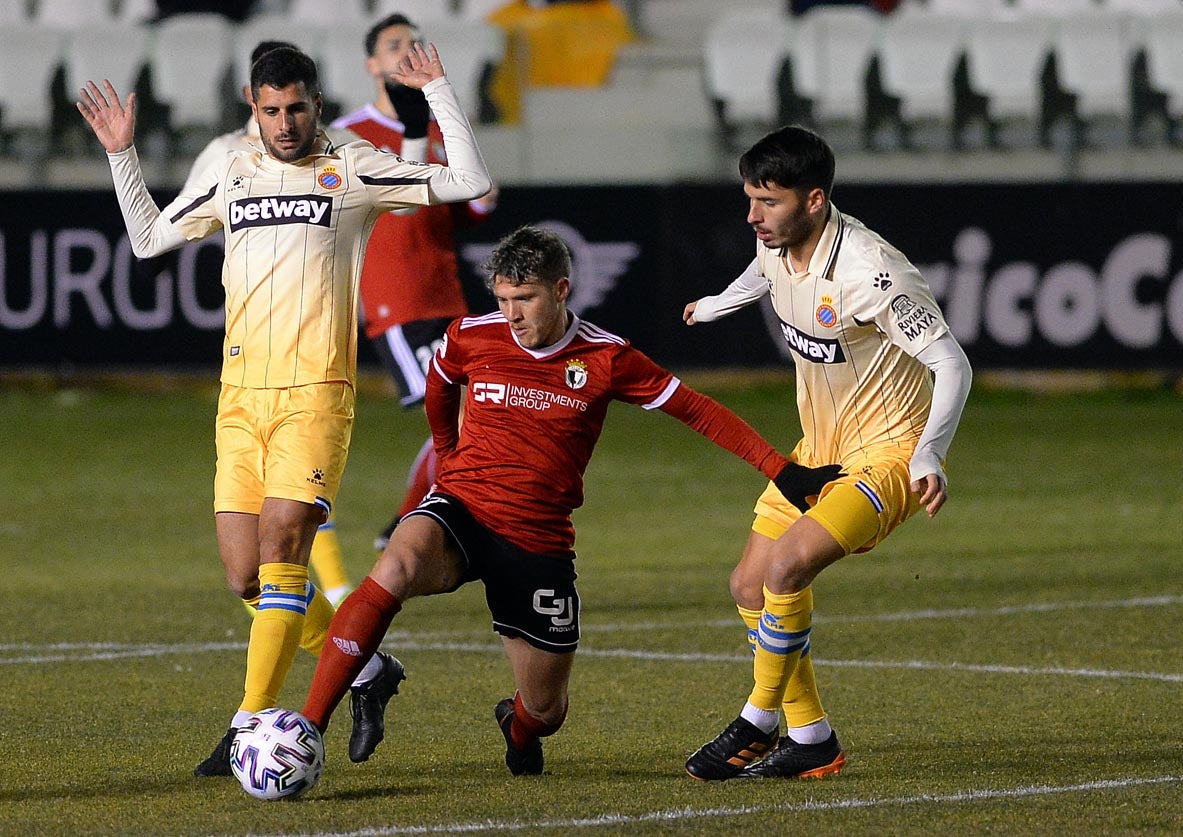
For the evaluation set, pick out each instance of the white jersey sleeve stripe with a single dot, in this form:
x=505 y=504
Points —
x=669 y=390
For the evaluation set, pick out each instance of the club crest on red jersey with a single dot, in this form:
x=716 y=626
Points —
x=576 y=374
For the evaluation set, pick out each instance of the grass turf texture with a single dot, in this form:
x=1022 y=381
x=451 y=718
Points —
x=122 y=650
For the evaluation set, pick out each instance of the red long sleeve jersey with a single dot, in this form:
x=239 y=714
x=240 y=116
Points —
x=410 y=272
x=532 y=419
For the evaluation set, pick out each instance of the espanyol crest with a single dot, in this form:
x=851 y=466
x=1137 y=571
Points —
x=576 y=374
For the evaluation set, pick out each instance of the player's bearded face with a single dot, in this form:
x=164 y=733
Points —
x=781 y=217
x=536 y=311
x=287 y=120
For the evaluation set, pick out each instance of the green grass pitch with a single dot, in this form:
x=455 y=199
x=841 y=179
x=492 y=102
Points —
x=1014 y=666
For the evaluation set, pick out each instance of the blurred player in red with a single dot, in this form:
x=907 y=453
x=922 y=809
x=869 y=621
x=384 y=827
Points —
x=539 y=381
x=410 y=283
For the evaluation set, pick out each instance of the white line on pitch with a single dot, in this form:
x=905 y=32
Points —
x=92 y=652
x=690 y=813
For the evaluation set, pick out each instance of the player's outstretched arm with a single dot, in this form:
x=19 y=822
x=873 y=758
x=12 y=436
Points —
x=112 y=122
x=465 y=177
x=750 y=286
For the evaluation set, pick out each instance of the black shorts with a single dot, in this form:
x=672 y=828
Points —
x=530 y=596
x=406 y=351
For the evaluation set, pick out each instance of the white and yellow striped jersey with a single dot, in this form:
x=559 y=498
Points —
x=295 y=238
x=854 y=318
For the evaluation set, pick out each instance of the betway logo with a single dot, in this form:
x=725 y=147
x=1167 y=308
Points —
x=288 y=209
x=813 y=349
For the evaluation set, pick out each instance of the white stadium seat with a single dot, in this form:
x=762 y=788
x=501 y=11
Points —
x=332 y=13
x=13 y=11
x=742 y=56
x=831 y=48
x=70 y=14
x=419 y=12
x=190 y=57
x=112 y=51
x=342 y=66
x=1004 y=60
x=1093 y=61
x=1161 y=36
x=309 y=37
x=29 y=57
x=917 y=56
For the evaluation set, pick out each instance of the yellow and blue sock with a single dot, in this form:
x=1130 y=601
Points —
x=275 y=633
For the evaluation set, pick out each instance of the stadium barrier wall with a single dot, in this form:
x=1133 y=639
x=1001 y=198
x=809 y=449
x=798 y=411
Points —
x=1029 y=276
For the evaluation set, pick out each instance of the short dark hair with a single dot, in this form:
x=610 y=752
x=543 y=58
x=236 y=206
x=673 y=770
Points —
x=528 y=254
x=264 y=47
x=385 y=23
x=283 y=66
x=792 y=157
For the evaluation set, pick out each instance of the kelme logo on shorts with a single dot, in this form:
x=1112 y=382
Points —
x=282 y=209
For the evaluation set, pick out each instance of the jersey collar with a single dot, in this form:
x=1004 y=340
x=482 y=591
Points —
x=562 y=343
x=825 y=255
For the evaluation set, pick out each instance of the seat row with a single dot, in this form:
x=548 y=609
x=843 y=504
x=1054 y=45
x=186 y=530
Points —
x=193 y=65
x=930 y=76
x=71 y=13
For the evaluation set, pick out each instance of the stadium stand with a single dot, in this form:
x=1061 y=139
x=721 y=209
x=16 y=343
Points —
x=1041 y=81
x=190 y=57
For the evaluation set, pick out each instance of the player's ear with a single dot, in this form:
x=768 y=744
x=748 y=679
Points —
x=562 y=289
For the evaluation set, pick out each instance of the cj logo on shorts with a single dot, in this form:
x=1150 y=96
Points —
x=560 y=610
x=284 y=209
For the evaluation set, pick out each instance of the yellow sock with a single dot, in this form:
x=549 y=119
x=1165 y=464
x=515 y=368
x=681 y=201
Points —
x=328 y=563
x=751 y=618
x=803 y=705
x=316 y=622
x=783 y=634
x=275 y=633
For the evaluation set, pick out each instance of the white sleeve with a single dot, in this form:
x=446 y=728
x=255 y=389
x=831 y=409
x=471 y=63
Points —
x=950 y=388
x=747 y=288
x=465 y=177
x=151 y=233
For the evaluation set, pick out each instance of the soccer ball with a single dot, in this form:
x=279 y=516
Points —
x=277 y=754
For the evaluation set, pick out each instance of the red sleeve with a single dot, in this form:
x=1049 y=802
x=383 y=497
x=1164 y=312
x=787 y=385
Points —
x=442 y=398
x=727 y=430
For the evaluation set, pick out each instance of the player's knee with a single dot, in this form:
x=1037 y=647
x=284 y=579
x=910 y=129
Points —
x=792 y=570
x=243 y=584
x=747 y=588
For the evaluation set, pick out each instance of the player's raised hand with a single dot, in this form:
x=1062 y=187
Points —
x=113 y=123
x=419 y=67
x=688 y=313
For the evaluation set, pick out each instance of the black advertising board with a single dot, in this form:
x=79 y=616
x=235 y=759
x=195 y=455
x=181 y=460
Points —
x=1029 y=276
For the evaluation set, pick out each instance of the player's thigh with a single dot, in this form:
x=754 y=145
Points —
x=864 y=507
x=421 y=559
x=307 y=443
x=238 y=478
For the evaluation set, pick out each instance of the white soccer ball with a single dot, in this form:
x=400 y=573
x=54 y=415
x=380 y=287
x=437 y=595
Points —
x=277 y=754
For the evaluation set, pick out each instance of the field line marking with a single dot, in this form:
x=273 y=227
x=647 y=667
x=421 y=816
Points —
x=916 y=615
x=100 y=651
x=690 y=813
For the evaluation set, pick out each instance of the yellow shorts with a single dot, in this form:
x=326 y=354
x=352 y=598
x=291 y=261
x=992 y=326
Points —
x=288 y=443
x=859 y=510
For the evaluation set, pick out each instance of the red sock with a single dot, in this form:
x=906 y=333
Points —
x=353 y=636
x=421 y=478
x=525 y=727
